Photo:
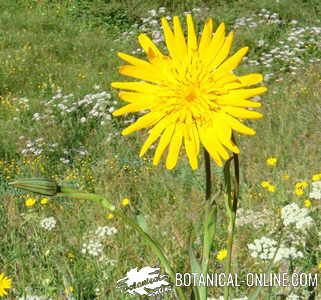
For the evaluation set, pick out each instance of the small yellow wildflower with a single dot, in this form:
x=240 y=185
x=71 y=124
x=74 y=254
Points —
x=307 y=203
x=271 y=161
x=44 y=200
x=221 y=254
x=302 y=184
x=285 y=177
x=299 y=191
x=69 y=290
x=316 y=177
x=70 y=255
x=319 y=265
x=271 y=188
x=30 y=202
x=110 y=216
x=5 y=283
x=265 y=184
x=125 y=202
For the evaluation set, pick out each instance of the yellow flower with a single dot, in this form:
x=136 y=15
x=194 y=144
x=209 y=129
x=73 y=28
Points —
x=125 y=202
x=221 y=254
x=5 y=283
x=110 y=216
x=302 y=184
x=316 y=177
x=319 y=265
x=70 y=255
x=271 y=161
x=30 y=202
x=307 y=203
x=191 y=96
x=271 y=188
x=44 y=200
x=299 y=191
x=285 y=177
x=69 y=290
x=265 y=184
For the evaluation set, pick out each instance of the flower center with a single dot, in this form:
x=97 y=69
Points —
x=191 y=94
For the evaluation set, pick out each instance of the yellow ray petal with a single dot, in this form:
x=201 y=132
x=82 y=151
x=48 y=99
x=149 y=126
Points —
x=133 y=60
x=247 y=93
x=237 y=125
x=155 y=132
x=213 y=142
x=191 y=36
x=235 y=101
x=206 y=36
x=179 y=38
x=164 y=141
x=228 y=78
x=230 y=64
x=142 y=87
x=191 y=142
x=224 y=133
x=148 y=74
x=210 y=145
x=209 y=53
x=143 y=122
x=175 y=146
x=242 y=113
x=137 y=97
x=169 y=39
x=149 y=47
x=196 y=139
x=251 y=79
x=244 y=81
x=130 y=108
x=223 y=52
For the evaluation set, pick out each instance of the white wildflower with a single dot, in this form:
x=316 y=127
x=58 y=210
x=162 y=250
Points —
x=93 y=247
x=103 y=231
x=293 y=214
x=48 y=223
x=316 y=190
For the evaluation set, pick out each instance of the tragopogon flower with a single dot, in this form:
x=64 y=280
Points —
x=191 y=95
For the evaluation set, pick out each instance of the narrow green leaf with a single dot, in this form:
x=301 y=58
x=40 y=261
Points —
x=141 y=221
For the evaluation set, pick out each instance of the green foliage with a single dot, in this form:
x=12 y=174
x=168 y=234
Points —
x=68 y=47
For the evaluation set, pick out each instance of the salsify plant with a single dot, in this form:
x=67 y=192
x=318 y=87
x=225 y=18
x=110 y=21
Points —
x=190 y=96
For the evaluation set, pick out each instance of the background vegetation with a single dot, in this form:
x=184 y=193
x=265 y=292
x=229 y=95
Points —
x=57 y=60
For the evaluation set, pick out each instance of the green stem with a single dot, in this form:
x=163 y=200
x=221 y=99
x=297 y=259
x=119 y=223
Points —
x=230 y=240
x=209 y=223
x=207 y=241
x=232 y=209
x=207 y=175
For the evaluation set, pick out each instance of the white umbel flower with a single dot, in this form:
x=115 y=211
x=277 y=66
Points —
x=265 y=248
x=93 y=248
x=293 y=214
x=103 y=231
x=316 y=190
x=48 y=223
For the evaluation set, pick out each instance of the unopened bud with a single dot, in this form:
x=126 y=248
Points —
x=41 y=186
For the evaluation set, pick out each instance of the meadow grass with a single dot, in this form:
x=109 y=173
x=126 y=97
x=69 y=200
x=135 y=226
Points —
x=51 y=49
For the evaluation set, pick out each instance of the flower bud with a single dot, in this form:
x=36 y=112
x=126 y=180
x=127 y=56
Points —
x=43 y=186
